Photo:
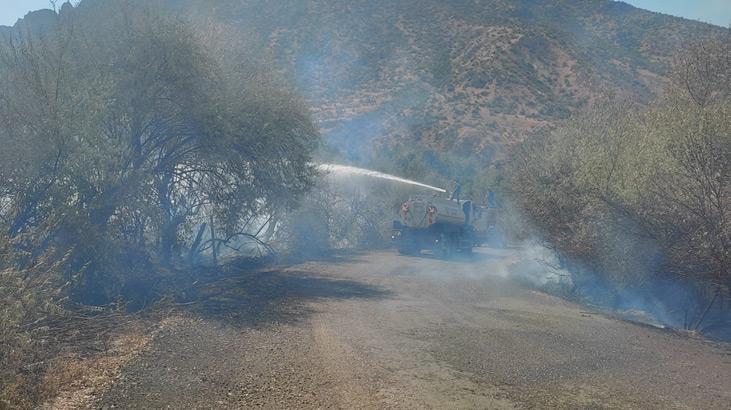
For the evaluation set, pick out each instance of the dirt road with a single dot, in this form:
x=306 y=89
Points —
x=385 y=331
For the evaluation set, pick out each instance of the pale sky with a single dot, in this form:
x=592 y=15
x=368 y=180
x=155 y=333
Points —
x=716 y=12
x=12 y=10
x=712 y=11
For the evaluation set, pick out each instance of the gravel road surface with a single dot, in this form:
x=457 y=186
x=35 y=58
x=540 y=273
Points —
x=380 y=330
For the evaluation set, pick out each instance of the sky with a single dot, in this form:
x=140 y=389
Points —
x=716 y=12
x=12 y=10
x=712 y=11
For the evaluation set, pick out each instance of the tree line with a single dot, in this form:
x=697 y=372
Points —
x=635 y=195
x=123 y=130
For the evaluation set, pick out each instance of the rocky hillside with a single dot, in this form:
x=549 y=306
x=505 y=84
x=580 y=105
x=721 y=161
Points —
x=462 y=75
x=467 y=76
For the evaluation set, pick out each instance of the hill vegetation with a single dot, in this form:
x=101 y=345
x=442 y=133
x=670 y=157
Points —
x=466 y=77
x=641 y=198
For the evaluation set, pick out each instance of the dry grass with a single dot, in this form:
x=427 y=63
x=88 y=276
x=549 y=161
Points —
x=72 y=380
x=70 y=358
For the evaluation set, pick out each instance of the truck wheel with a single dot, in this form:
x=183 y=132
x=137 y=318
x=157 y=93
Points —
x=445 y=247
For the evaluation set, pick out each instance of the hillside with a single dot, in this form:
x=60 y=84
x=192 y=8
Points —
x=467 y=76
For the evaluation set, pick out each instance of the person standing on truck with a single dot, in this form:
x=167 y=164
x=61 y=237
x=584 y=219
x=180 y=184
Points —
x=491 y=199
x=457 y=190
x=467 y=210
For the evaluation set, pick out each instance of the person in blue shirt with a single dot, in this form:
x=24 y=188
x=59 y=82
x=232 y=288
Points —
x=457 y=190
x=491 y=199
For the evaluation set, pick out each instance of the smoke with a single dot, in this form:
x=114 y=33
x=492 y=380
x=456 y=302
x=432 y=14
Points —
x=539 y=267
x=347 y=169
x=528 y=261
x=360 y=195
x=533 y=263
x=656 y=303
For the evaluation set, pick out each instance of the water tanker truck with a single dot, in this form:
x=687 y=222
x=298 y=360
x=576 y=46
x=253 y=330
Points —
x=444 y=226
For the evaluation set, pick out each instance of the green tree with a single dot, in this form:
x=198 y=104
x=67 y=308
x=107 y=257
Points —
x=125 y=129
x=640 y=194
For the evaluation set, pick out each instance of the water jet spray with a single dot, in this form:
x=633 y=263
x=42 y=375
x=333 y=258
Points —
x=347 y=169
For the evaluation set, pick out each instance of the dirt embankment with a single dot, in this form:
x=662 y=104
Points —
x=385 y=331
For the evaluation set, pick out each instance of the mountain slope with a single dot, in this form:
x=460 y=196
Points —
x=468 y=76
